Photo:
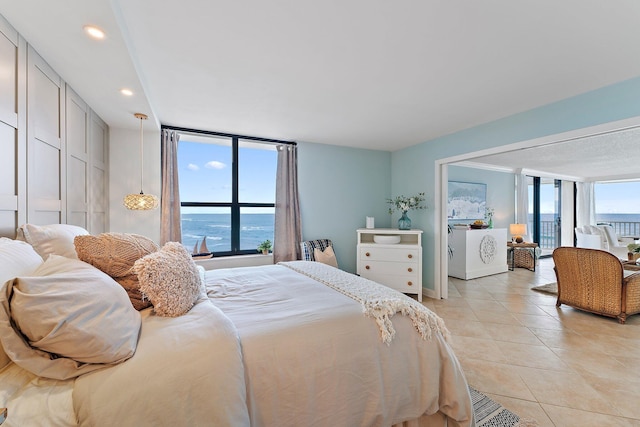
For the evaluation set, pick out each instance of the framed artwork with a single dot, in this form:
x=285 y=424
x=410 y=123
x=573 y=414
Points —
x=466 y=200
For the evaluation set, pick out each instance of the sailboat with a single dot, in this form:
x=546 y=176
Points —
x=201 y=252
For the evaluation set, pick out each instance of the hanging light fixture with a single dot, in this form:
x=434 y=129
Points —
x=141 y=202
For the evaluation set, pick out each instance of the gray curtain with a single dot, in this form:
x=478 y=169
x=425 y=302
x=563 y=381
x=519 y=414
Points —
x=170 y=224
x=288 y=231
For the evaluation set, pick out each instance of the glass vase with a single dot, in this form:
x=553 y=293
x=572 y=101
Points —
x=404 y=223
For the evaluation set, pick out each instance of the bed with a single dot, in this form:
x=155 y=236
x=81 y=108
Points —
x=299 y=343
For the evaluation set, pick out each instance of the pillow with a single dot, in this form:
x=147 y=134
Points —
x=67 y=318
x=51 y=239
x=115 y=254
x=16 y=259
x=326 y=257
x=170 y=279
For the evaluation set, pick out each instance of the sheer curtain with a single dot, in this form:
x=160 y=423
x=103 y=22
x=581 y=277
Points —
x=288 y=231
x=522 y=202
x=585 y=204
x=170 y=224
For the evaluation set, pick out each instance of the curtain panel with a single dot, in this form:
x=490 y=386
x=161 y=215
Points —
x=170 y=223
x=287 y=229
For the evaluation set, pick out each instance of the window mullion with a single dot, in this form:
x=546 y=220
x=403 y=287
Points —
x=235 y=208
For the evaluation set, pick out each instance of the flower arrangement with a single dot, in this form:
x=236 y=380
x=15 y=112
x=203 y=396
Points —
x=404 y=204
x=488 y=213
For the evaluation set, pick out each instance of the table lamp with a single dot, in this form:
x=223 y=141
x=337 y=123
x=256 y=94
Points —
x=517 y=230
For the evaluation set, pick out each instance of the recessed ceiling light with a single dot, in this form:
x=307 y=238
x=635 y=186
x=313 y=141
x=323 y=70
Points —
x=126 y=92
x=94 y=32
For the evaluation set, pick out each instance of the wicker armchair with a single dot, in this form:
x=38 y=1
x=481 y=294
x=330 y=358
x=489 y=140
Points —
x=593 y=280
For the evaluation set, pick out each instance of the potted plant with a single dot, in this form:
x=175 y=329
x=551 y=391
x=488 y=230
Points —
x=634 y=251
x=265 y=247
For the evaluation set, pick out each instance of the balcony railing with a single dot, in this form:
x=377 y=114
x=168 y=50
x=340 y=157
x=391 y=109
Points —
x=549 y=232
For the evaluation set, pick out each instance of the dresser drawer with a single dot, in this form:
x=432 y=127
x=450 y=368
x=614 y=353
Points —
x=395 y=254
x=390 y=268
x=401 y=283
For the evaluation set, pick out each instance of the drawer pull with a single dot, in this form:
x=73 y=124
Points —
x=409 y=269
x=410 y=283
x=410 y=256
x=367 y=254
x=367 y=267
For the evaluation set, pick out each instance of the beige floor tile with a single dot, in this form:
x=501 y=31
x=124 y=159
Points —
x=623 y=395
x=565 y=389
x=503 y=317
x=538 y=322
x=466 y=328
x=477 y=348
x=533 y=356
x=567 y=417
x=511 y=333
x=496 y=378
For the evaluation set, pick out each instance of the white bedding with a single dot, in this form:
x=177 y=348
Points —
x=276 y=348
x=312 y=358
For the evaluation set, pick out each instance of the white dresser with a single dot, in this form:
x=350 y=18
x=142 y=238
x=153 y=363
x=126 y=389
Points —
x=398 y=266
x=478 y=253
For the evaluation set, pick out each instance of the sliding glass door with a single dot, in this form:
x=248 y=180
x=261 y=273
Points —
x=544 y=212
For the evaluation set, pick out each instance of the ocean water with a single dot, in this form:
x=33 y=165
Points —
x=254 y=229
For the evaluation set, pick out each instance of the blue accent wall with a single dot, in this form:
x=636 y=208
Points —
x=413 y=168
x=339 y=187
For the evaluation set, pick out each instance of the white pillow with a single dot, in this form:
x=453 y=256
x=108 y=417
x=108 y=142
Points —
x=50 y=239
x=326 y=257
x=16 y=259
x=67 y=318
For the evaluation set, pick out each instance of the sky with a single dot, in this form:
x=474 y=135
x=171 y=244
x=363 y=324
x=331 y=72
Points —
x=205 y=174
x=613 y=197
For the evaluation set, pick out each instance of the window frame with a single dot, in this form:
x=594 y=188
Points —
x=235 y=206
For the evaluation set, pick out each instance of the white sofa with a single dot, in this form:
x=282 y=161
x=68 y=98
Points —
x=602 y=237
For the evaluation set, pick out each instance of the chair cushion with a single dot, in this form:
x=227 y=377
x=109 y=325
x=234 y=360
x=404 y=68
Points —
x=309 y=246
x=326 y=257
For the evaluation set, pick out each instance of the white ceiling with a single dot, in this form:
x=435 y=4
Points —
x=607 y=156
x=362 y=73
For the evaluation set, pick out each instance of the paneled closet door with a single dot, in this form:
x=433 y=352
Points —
x=99 y=175
x=12 y=144
x=46 y=180
x=77 y=132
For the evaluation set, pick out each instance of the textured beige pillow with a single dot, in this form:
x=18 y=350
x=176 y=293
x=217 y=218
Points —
x=326 y=257
x=115 y=254
x=50 y=239
x=170 y=279
x=68 y=318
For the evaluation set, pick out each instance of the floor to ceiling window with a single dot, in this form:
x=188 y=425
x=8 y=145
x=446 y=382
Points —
x=618 y=204
x=545 y=212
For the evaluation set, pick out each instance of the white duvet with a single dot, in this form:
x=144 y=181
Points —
x=312 y=358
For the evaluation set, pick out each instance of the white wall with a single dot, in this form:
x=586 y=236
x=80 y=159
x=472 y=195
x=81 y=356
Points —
x=124 y=171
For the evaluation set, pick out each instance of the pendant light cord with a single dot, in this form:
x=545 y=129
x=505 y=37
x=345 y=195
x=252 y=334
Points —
x=141 y=155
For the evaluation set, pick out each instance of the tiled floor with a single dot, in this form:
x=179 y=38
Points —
x=563 y=367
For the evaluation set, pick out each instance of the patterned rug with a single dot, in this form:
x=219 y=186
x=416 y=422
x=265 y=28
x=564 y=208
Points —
x=490 y=413
x=549 y=288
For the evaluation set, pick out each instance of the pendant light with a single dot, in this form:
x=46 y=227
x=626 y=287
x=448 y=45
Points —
x=141 y=202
